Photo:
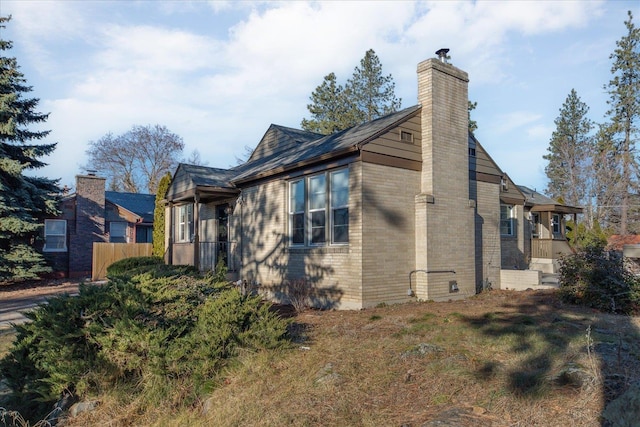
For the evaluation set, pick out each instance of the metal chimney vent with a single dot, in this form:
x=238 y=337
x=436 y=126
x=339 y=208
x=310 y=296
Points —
x=442 y=54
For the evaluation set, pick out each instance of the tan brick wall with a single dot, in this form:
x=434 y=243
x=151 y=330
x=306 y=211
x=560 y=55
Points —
x=488 y=249
x=444 y=218
x=388 y=237
x=513 y=252
x=336 y=270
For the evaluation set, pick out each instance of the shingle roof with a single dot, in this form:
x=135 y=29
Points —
x=140 y=204
x=309 y=149
x=535 y=198
x=206 y=176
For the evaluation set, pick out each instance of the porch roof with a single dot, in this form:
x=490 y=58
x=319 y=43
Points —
x=541 y=203
x=208 y=183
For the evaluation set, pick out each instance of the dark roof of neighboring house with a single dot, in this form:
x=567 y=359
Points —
x=137 y=203
x=541 y=202
x=316 y=147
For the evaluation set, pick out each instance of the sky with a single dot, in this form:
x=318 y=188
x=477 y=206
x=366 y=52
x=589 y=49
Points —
x=218 y=73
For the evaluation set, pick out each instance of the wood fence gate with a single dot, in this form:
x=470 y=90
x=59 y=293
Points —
x=105 y=254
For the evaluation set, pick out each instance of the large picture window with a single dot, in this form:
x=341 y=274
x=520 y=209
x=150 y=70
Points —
x=507 y=215
x=185 y=223
x=319 y=209
x=55 y=235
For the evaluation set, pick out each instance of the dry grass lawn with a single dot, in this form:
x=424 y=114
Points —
x=498 y=359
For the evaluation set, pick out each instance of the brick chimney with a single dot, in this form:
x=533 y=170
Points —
x=89 y=223
x=445 y=241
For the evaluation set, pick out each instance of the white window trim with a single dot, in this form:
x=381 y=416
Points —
x=333 y=208
x=328 y=211
x=64 y=236
x=184 y=227
x=510 y=218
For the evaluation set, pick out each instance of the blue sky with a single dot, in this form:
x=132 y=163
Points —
x=219 y=73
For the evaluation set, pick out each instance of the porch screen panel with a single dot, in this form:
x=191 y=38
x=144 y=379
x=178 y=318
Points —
x=340 y=206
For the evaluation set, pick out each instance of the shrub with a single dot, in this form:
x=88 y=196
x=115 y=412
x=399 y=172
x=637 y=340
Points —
x=149 y=335
x=594 y=278
x=130 y=267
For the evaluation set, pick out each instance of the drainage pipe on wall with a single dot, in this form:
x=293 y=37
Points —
x=410 y=291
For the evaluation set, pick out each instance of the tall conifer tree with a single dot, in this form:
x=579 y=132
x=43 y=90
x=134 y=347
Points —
x=569 y=151
x=367 y=95
x=159 y=216
x=371 y=91
x=24 y=200
x=624 y=113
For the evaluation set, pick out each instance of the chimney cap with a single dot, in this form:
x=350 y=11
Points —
x=442 y=54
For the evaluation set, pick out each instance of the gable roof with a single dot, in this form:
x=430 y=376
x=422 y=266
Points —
x=307 y=150
x=142 y=205
x=281 y=149
x=539 y=202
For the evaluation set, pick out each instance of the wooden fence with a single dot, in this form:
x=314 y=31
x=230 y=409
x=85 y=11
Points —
x=105 y=254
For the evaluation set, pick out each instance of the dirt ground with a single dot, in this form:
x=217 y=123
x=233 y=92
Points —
x=38 y=288
x=485 y=352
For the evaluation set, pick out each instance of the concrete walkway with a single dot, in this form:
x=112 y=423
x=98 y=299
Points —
x=13 y=304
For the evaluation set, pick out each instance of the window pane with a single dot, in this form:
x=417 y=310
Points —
x=340 y=225
x=117 y=232
x=317 y=192
x=297 y=196
x=297 y=229
x=55 y=227
x=340 y=188
x=318 y=220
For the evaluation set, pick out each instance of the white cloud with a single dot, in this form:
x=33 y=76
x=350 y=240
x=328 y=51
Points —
x=218 y=73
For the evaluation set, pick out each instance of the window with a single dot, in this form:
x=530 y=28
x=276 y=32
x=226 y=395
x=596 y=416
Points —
x=507 y=215
x=319 y=209
x=504 y=183
x=185 y=223
x=472 y=152
x=55 y=235
x=340 y=206
x=535 y=225
x=118 y=232
x=406 y=136
x=555 y=223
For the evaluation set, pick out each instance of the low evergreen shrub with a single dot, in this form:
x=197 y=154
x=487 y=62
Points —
x=598 y=279
x=146 y=334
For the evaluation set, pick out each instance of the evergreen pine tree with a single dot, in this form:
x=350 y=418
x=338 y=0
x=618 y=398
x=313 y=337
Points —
x=624 y=112
x=330 y=109
x=158 y=216
x=569 y=152
x=372 y=93
x=473 y=125
x=367 y=96
x=24 y=200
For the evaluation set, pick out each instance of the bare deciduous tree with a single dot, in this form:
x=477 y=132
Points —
x=136 y=160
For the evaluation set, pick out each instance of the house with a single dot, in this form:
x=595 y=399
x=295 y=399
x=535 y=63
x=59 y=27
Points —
x=406 y=206
x=90 y=215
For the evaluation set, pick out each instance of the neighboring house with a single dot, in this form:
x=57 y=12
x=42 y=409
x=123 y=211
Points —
x=90 y=215
x=406 y=206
